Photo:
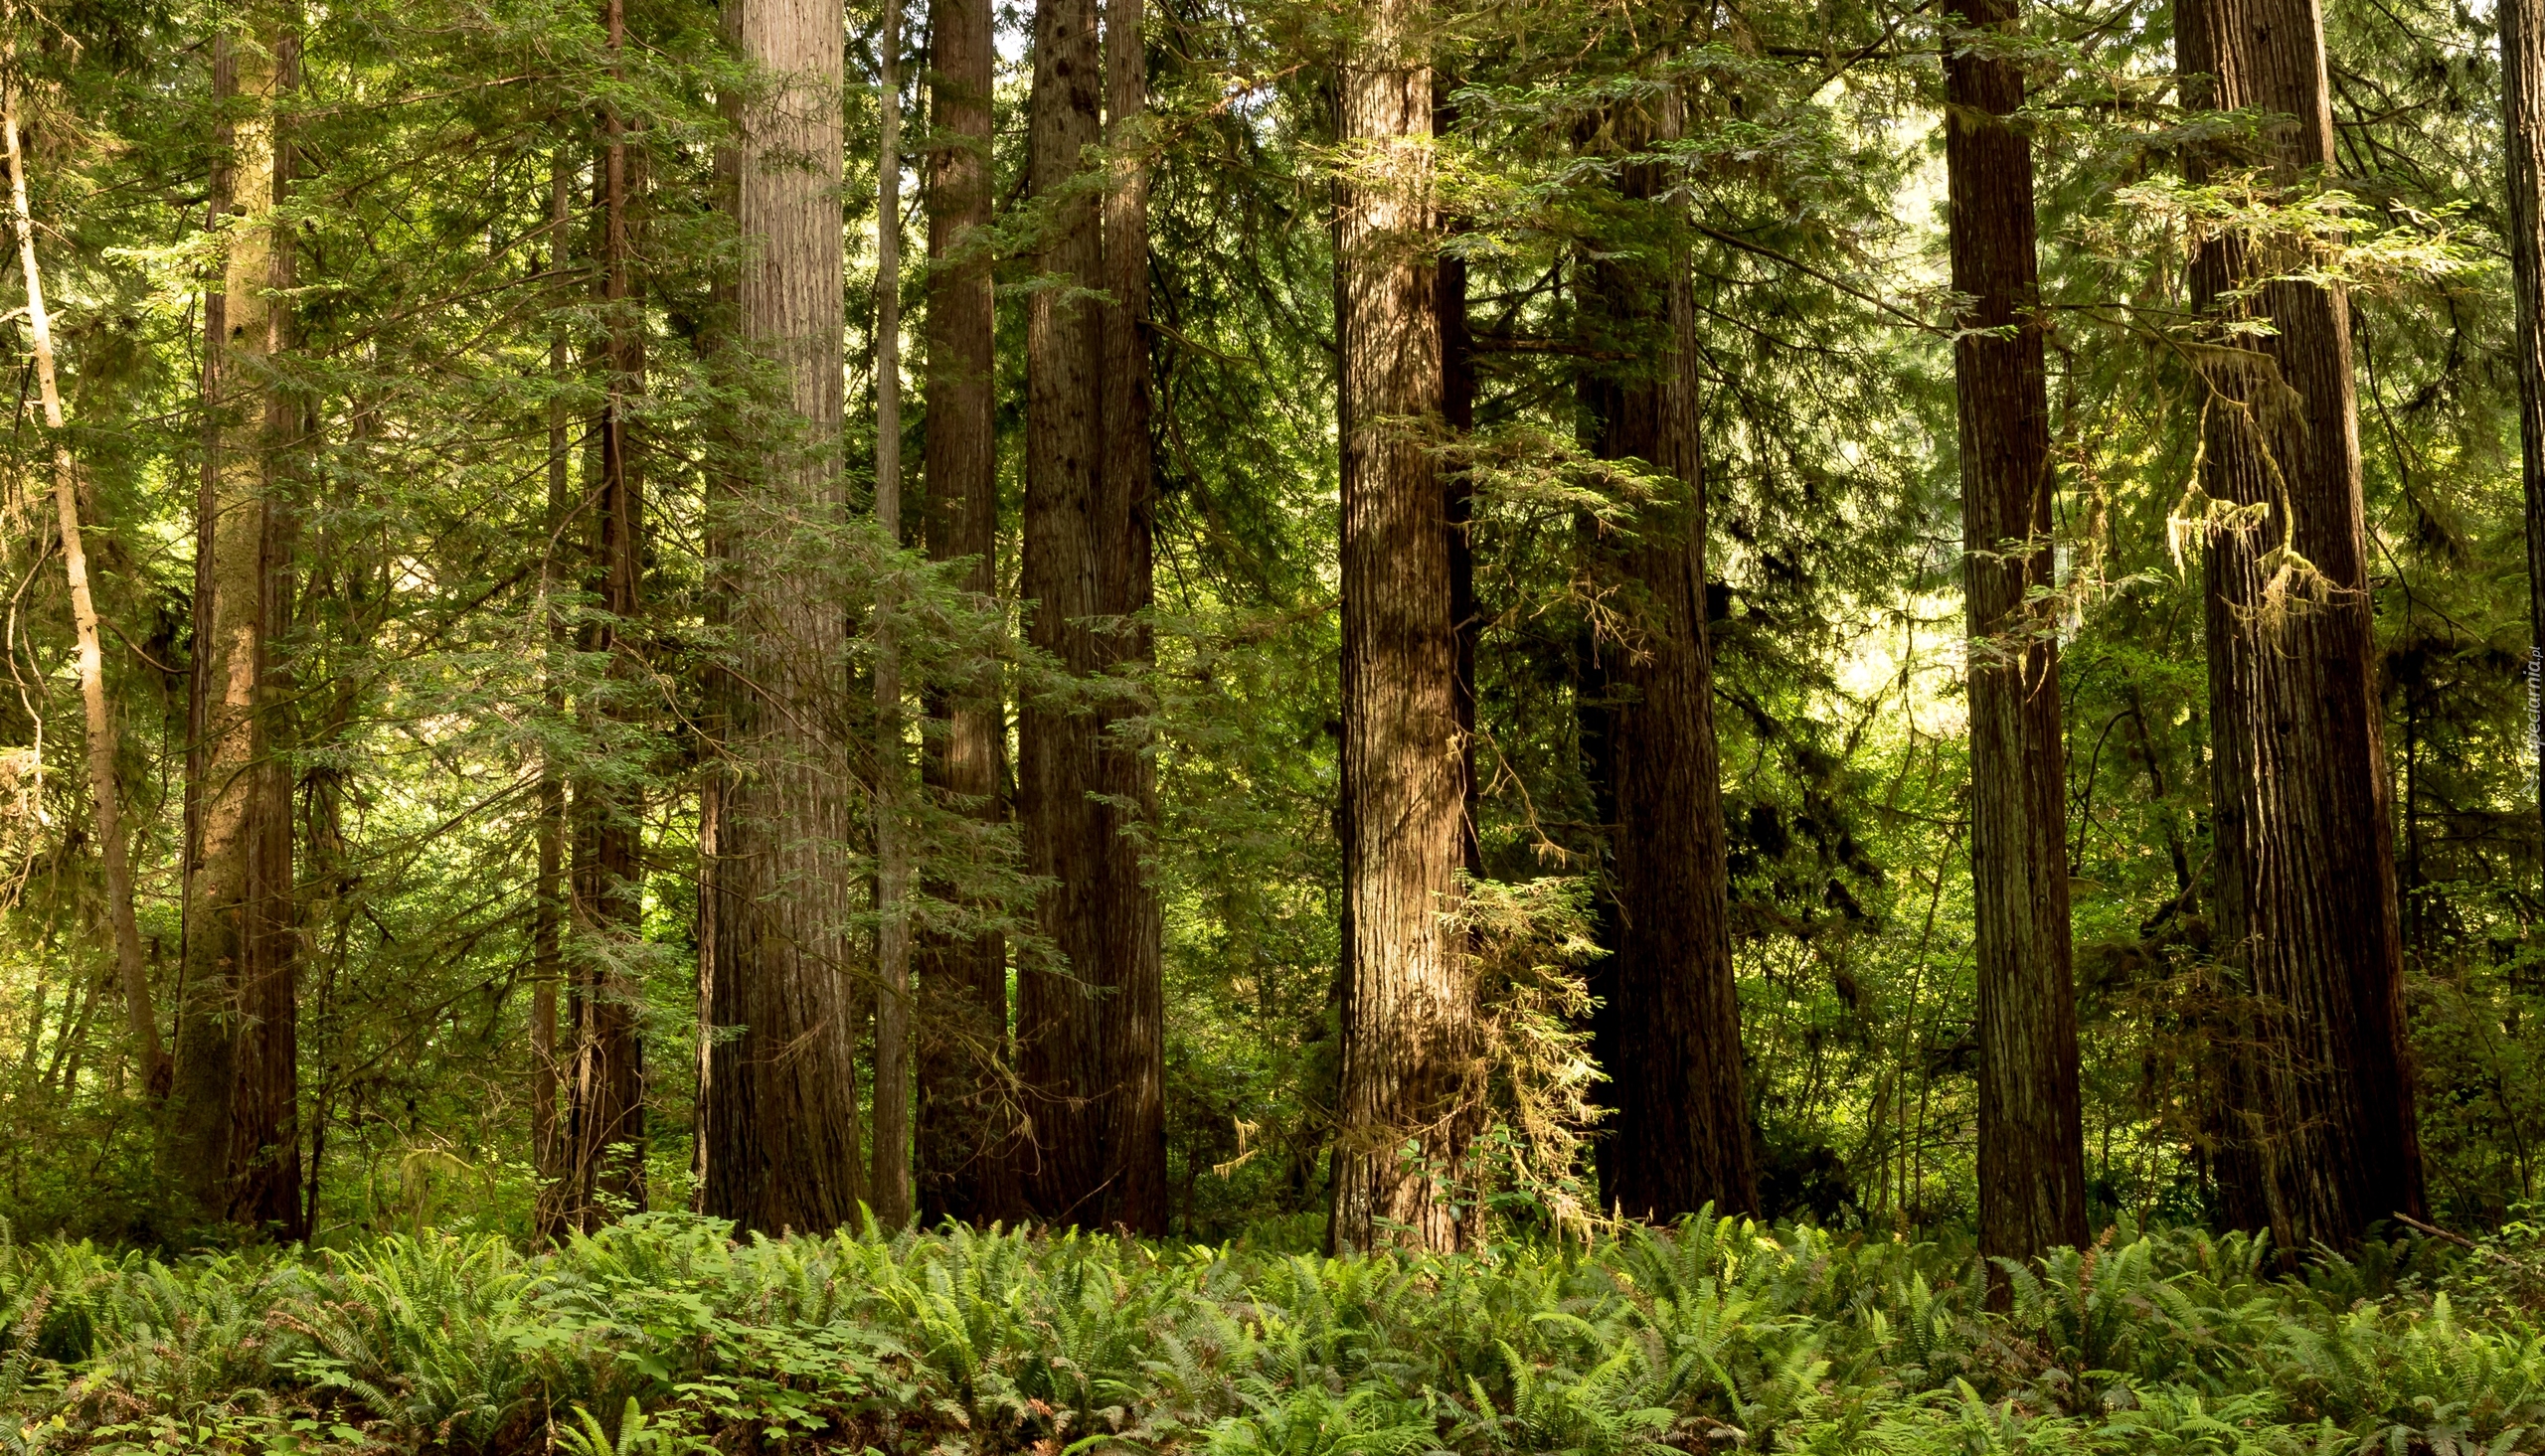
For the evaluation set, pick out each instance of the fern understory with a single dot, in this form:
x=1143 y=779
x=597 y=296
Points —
x=662 y=1335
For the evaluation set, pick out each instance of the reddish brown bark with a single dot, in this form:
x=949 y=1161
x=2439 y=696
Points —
x=234 y=1128
x=965 y=1132
x=1408 y=1099
x=2321 y=1138
x=779 y=1141
x=2032 y=1169
x=1089 y=1029
x=2522 y=39
x=1669 y=1031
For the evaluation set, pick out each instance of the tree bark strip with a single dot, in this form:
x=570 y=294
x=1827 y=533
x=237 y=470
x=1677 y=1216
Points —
x=1408 y=1101
x=966 y=1133
x=234 y=1131
x=890 y=1183
x=1671 y=1024
x=2522 y=39
x=2032 y=1158
x=780 y=1143
x=2323 y=1138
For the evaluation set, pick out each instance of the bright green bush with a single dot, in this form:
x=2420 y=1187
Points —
x=663 y=1334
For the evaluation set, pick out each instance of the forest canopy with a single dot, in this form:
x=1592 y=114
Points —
x=1389 y=623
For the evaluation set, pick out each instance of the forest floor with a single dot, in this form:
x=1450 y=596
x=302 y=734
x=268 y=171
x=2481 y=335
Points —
x=663 y=1335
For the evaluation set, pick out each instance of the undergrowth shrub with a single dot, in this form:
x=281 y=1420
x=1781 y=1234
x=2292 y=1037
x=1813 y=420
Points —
x=666 y=1334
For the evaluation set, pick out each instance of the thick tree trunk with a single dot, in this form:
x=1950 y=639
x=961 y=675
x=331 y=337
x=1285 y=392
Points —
x=234 y=1126
x=966 y=1135
x=1089 y=1029
x=1671 y=1023
x=2032 y=1157
x=1408 y=1097
x=781 y=1145
x=2327 y=1141
x=606 y=1080
x=2522 y=26
x=891 y=1179
x=105 y=796
x=1134 y=1008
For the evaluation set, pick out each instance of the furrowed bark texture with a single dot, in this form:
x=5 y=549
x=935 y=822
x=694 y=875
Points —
x=967 y=1133
x=1408 y=1097
x=1089 y=1029
x=890 y=1183
x=234 y=1127
x=1671 y=1023
x=780 y=1146
x=2323 y=1139
x=106 y=795
x=2032 y=1169
x=2522 y=37
x=606 y=1080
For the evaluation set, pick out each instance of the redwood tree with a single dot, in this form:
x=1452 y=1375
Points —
x=2032 y=1159
x=1670 y=1029
x=2522 y=37
x=965 y=1134
x=2319 y=1135
x=1407 y=1100
x=779 y=1137
x=1090 y=1027
x=233 y=1120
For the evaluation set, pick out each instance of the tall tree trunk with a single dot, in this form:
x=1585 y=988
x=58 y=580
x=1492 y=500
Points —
x=606 y=1080
x=548 y=911
x=1671 y=1024
x=2522 y=26
x=105 y=796
x=890 y=1181
x=1134 y=1006
x=2327 y=1140
x=234 y=1127
x=780 y=1144
x=1089 y=1029
x=1408 y=1099
x=966 y=1133
x=1458 y=421
x=2032 y=1152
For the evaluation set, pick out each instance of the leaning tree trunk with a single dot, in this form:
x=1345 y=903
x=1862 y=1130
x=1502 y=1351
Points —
x=779 y=1144
x=1134 y=1006
x=2032 y=1155
x=2327 y=1141
x=234 y=1126
x=607 y=1077
x=1088 y=1026
x=1408 y=1096
x=2522 y=23
x=1671 y=1024
x=966 y=1137
x=106 y=795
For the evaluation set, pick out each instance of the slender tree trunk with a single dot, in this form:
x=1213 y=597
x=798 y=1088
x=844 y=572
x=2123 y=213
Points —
x=1408 y=1097
x=1672 y=1020
x=2325 y=1139
x=549 y=909
x=2522 y=26
x=2032 y=1153
x=131 y=973
x=608 y=1077
x=1458 y=419
x=966 y=1135
x=1090 y=1028
x=1134 y=1008
x=890 y=1181
x=235 y=1141
x=781 y=1145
